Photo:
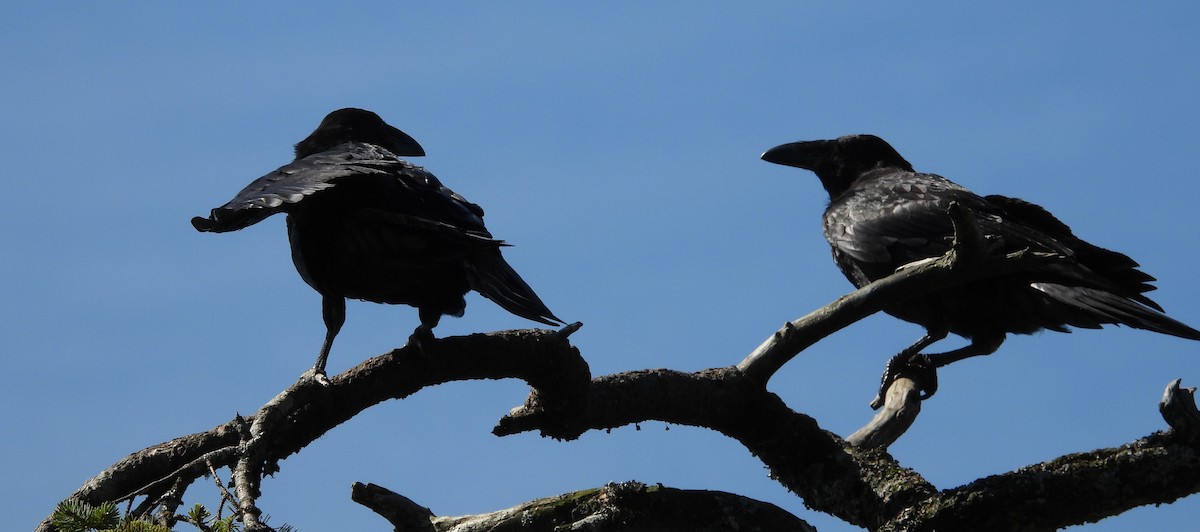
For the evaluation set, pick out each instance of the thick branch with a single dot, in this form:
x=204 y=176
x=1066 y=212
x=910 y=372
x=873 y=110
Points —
x=544 y=359
x=1074 y=489
x=901 y=405
x=868 y=488
x=404 y=514
x=858 y=487
x=620 y=507
x=255 y=445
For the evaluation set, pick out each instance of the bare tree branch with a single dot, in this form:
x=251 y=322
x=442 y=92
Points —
x=868 y=488
x=544 y=359
x=626 y=506
x=1071 y=490
x=404 y=514
x=862 y=486
x=858 y=487
x=901 y=406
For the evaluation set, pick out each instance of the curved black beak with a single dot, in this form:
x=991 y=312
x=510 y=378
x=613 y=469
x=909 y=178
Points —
x=805 y=154
x=400 y=143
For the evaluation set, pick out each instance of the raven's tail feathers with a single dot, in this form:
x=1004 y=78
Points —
x=1107 y=307
x=493 y=278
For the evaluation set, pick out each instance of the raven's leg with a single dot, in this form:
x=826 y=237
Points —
x=333 y=310
x=923 y=368
x=422 y=337
x=980 y=345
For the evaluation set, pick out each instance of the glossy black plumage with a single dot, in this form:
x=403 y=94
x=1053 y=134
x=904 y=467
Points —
x=364 y=224
x=883 y=215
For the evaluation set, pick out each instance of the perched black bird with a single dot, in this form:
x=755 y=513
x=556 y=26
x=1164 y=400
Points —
x=882 y=215
x=364 y=224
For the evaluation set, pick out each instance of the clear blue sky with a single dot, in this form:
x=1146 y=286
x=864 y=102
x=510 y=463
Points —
x=616 y=146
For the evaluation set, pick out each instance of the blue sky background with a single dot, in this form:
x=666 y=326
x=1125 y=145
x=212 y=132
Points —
x=616 y=146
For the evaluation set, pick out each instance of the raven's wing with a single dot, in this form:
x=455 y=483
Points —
x=447 y=232
x=1104 y=284
x=903 y=217
x=897 y=219
x=1120 y=271
x=291 y=184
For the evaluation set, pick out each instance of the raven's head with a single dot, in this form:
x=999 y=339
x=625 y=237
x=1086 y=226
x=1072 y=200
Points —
x=357 y=125
x=839 y=162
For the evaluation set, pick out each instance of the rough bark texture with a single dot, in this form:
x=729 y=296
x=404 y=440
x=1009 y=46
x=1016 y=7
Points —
x=859 y=483
x=624 y=507
x=902 y=403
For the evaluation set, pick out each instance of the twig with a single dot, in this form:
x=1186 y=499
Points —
x=189 y=470
x=253 y=452
x=404 y=514
x=225 y=495
x=1178 y=409
x=900 y=409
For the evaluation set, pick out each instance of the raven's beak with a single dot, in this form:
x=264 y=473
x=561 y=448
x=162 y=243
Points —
x=399 y=143
x=806 y=154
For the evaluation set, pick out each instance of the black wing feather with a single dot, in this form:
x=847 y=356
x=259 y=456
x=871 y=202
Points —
x=290 y=184
x=898 y=217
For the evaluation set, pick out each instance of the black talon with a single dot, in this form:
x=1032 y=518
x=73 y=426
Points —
x=918 y=367
x=924 y=373
x=422 y=338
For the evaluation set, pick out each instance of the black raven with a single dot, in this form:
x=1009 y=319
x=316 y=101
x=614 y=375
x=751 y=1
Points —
x=882 y=215
x=364 y=224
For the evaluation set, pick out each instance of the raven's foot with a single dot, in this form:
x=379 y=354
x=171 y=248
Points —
x=916 y=366
x=422 y=339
